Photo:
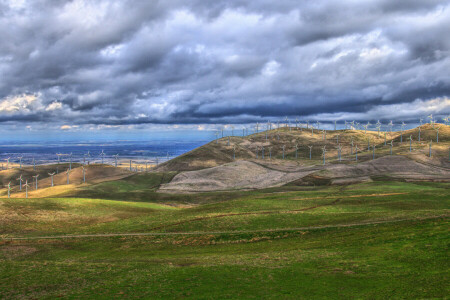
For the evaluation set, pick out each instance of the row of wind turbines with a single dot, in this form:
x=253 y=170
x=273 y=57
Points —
x=260 y=151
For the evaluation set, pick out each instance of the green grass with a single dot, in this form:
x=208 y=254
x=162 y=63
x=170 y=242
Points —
x=231 y=250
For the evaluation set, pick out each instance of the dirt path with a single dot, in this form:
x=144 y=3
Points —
x=218 y=232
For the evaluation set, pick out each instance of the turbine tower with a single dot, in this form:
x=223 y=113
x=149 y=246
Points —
x=437 y=134
x=68 y=172
x=7 y=163
x=115 y=159
x=296 y=151
x=9 y=189
x=392 y=145
x=20 y=162
x=59 y=157
x=410 y=143
x=270 y=153
x=102 y=155
x=35 y=177
x=20 y=182
x=339 y=147
x=84 y=174
x=310 y=151
x=324 y=150
x=373 y=153
x=429 y=150
x=26 y=188
x=284 y=147
x=356 y=152
x=51 y=175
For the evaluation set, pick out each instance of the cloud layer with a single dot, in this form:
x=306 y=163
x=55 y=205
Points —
x=225 y=61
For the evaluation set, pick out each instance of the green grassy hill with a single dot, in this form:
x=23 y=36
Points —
x=376 y=240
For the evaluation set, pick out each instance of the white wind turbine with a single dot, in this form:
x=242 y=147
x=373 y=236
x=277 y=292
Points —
x=378 y=124
x=391 y=124
x=232 y=130
x=410 y=143
x=217 y=136
x=20 y=162
x=59 y=157
x=337 y=138
x=351 y=149
x=401 y=128
x=296 y=151
x=115 y=159
x=365 y=128
x=324 y=150
x=284 y=147
x=270 y=153
x=356 y=152
x=68 y=174
x=35 y=177
x=84 y=174
x=234 y=152
x=7 y=163
x=339 y=147
x=20 y=182
x=26 y=188
x=437 y=133
x=86 y=155
x=335 y=125
x=392 y=145
x=373 y=153
x=102 y=155
x=262 y=152
x=9 y=189
x=51 y=175
x=310 y=151
x=431 y=119
x=70 y=160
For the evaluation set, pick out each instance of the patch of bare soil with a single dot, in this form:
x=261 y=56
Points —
x=393 y=166
x=13 y=251
x=236 y=175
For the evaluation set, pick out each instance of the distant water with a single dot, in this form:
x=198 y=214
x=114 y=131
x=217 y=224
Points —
x=138 y=151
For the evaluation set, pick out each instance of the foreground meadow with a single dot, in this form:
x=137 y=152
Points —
x=372 y=240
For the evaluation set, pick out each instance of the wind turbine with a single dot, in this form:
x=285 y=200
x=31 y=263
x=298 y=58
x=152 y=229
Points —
x=130 y=166
x=243 y=131
x=102 y=155
x=337 y=139
x=34 y=165
x=9 y=189
x=391 y=125
x=356 y=152
x=296 y=123
x=307 y=124
x=228 y=142
x=257 y=127
x=84 y=174
x=59 y=157
x=86 y=155
x=318 y=125
x=20 y=180
x=339 y=147
x=401 y=128
x=345 y=123
x=410 y=143
x=365 y=128
x=270 y=153
x=431 y=119
x=232 y=130
x=368 y=144
x=296 y=151
x=324 y=133
x=334 y=125
x=373 y=153
x=115 y=159
x=26 y=188
x=7 y=163
x=324 y=150
x=262 y=152
x=385 y=132
x=36 y=178
x=68 y=172
x=378 y=124
x=70 y=160
x=392 y=144
x=419 y=129
x=51 y=175
x=310 y=150
x=20 y=162
x=437 y=134
x=234 y=152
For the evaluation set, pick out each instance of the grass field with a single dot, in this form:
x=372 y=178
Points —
x=382 y=239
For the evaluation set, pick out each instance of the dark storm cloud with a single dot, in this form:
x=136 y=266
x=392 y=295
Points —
x=168 y=62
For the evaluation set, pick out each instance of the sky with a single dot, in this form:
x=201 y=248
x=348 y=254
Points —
x=115 y=68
